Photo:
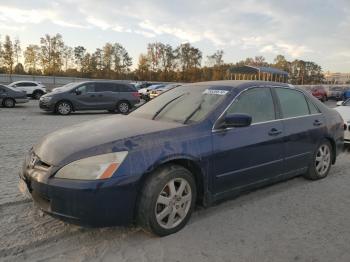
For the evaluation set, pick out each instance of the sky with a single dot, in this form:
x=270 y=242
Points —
x=313 y=30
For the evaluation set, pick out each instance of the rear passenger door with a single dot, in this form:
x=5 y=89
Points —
x=303 y=125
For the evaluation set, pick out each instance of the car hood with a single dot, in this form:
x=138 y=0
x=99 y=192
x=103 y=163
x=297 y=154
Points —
x=344 y=111
x=95 y=137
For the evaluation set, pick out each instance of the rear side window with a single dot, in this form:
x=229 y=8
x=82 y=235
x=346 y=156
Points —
x=257 y=103
x=293 y=102
x=105 y=87
x=125 y=88
x=312 y=107
x=26 y=84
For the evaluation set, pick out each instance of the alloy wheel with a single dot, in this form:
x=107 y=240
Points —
x=123 y=108
x=323 y=159
x=64 y=108
x=173 y=203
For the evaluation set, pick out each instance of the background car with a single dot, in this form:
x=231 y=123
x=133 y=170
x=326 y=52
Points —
x=198 y=143
x=343 y=107
x=156 y=92
x=346 y=94
x=91 y=95
x=32 y=88
x=320 y=93
x=10 y=96
x=336 y=93
x=145 y=92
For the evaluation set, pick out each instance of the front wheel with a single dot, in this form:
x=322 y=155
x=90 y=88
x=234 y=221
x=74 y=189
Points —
x=63 y=108
x=321 y=162
x=167 y=200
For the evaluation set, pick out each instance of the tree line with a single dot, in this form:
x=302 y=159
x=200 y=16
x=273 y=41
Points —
x=160 y=62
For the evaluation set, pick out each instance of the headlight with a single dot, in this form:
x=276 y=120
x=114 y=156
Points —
x=91 y=168
x=46 y=98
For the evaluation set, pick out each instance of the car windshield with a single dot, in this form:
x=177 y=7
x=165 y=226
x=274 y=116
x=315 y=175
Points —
x=184 y=104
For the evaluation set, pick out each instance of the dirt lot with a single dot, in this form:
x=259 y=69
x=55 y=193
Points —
x=297 y=220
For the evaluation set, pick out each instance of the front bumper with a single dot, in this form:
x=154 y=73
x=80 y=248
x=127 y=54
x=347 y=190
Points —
x=46 y=106
x=88 y=203
x=347 y=133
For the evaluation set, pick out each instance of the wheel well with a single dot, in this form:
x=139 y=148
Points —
x=334 y=149
x=121 y=101
x=64 y=100
x=195 y=170
x=38 y=91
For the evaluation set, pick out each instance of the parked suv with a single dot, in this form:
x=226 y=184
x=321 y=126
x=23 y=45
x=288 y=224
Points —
x=9 y=96
x=91 y=95
x=32 y=88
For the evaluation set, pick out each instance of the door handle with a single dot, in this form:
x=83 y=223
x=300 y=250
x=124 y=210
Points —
x=317 y=122
x=274 y=132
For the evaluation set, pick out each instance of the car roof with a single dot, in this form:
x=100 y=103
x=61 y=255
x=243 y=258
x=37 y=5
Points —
x=238 y=84
x=25 y=81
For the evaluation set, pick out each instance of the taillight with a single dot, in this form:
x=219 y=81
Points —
x=136 y=94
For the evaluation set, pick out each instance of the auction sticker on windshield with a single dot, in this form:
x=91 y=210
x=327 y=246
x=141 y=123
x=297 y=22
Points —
x=215 y=92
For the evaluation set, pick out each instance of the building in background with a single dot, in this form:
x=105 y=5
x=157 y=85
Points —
x=337 y=78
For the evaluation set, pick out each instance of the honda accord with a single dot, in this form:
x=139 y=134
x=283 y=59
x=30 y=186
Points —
x=195 y=144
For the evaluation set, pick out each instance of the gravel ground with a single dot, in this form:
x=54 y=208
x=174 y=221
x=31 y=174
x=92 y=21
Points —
x=296 y=220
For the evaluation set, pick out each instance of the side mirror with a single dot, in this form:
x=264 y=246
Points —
x=340 y=103
x=237 y=120
x=77 y=92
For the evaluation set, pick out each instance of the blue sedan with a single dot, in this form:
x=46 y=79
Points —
x=195 y=144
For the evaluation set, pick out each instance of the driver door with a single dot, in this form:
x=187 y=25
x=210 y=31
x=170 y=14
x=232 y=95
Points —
x=84 y=96
x=243 y=156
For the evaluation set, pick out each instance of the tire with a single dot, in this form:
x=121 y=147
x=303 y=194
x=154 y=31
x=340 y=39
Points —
x=9 y=103
x=123 y=107
x=37 y=94
x=64 y=108
x=157 y=200
x=321 y=162
x=323 y=99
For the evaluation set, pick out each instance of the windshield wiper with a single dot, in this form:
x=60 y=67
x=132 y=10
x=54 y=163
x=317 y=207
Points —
x=162 y=108
x=194 y=111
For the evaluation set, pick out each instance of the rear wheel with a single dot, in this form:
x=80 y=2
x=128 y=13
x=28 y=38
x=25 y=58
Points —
x=63 y=108
x=123 y=107
x=321 y=161
x=167 y=200
x=9 y=102
x=37 y=94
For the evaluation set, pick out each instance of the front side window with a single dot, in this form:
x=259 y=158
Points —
x=86 y=88
x=257 y=103
x=293 y=102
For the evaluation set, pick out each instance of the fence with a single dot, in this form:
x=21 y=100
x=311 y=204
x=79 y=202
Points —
x=49 y=81
x=55 y=81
